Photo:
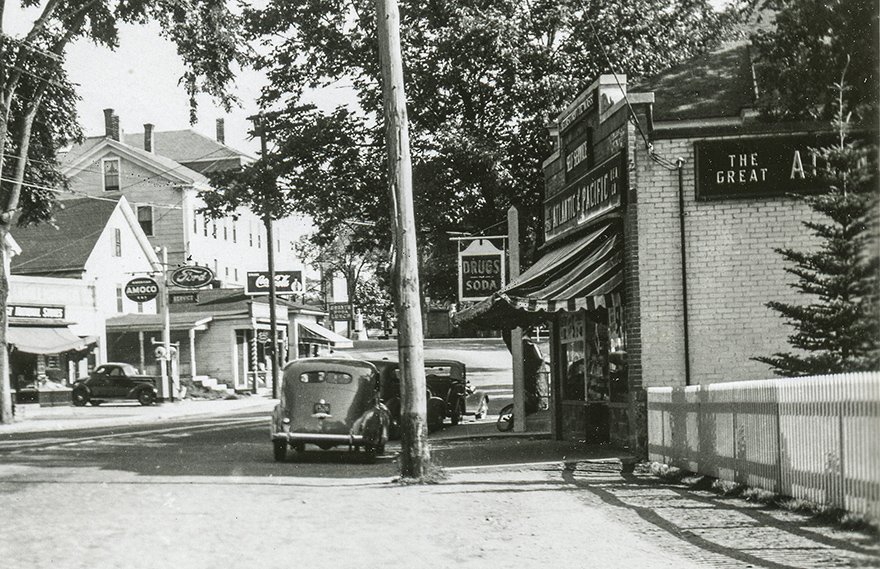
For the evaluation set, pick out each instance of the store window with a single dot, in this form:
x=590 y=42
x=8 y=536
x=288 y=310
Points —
x=571 y=339
x=119 y=302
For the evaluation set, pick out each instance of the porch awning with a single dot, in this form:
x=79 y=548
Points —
x=317 y=334
x=578 y=275
x=42 y=340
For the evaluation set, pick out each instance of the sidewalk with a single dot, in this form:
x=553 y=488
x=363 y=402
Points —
x=33 y=418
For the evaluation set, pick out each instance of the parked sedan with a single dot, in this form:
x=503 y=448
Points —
x=115 y=381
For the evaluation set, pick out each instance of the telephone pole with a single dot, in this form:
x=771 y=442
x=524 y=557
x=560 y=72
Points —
x=415 y=455
x=270 y=244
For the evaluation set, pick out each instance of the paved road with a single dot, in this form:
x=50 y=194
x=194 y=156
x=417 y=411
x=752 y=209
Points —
x=205 y=492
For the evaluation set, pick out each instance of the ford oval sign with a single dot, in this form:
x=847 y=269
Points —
x=143 y=289
x=192 y=276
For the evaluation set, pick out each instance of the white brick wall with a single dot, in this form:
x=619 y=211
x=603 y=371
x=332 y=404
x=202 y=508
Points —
x=733 y=271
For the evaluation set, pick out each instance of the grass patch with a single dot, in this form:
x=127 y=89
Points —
x=198 y=391
x=835 y=517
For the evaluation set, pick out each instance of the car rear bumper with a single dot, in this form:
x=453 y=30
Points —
x=319 y=438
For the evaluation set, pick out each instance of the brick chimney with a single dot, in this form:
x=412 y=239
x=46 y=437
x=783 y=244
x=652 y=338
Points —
x=111 y=125
x=148 y=137
x=221 y=131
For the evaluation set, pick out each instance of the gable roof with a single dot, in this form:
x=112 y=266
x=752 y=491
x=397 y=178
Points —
x=94 y=147
x=718 y=84
x=62 y=248
x=196 y=151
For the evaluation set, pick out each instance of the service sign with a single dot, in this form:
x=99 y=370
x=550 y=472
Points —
x=142 y=289
x=758 y=166
x=286 y=282
x=192 y=276
x=480 y=270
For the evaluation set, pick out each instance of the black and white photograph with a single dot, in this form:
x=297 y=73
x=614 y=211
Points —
x=377 y=284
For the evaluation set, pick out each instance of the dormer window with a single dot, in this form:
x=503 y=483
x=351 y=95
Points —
x=110 y=167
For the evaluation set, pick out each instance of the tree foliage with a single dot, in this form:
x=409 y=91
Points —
x=839 y=330
x=482 y=80
x=800 y=55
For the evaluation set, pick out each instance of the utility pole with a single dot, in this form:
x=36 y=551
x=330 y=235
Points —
x=415 y=455
x=165 y=360
x=270 y=243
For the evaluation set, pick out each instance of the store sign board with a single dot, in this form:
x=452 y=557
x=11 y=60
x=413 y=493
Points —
x=183 y=297
x=141 y=289
x=35 y=312
x=596 y=193
x=758 y=166
x=339 y=311
x=481 y=270
x=286 y=282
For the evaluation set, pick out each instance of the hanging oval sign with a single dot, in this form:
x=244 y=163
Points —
x=142 y=289
x=192 y=276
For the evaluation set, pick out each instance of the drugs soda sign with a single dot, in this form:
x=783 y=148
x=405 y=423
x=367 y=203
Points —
x=480 y=270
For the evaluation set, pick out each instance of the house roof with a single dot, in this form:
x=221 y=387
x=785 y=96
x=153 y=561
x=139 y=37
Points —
x=94 y=146
x=196 y=151
x=718 y=84
x=63 y=247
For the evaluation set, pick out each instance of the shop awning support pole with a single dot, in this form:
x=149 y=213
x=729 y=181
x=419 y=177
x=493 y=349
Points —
x=516 y=335
x=684 y=280
x=270 y=241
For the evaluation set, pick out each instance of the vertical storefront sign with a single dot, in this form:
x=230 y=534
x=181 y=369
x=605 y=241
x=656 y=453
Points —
x=481 y=270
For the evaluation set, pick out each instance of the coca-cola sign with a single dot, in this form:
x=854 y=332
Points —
x=192 y=276
x=286 y=282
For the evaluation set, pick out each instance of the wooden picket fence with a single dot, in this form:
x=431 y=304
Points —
x=813 y=438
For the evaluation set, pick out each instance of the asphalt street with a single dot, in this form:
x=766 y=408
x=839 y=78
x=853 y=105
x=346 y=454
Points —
x=204 y=491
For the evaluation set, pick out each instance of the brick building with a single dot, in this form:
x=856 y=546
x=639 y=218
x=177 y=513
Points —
x=664 y=204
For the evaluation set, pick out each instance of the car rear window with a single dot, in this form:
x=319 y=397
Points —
x=325 y=377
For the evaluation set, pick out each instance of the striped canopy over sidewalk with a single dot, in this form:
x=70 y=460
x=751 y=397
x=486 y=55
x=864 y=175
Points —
x=578 y=275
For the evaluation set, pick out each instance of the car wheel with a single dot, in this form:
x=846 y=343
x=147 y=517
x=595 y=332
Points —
x=483 y=409
x=80 y=397
x=505 y=418
x=146 y=397
x=279 y=450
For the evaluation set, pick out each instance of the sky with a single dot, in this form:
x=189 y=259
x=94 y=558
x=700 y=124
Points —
x=140 y=81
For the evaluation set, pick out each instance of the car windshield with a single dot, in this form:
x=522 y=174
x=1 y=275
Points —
x=337 y=377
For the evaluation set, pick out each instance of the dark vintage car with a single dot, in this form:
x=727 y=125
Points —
x=449 y=394
x=330 y=402
x=115 y=381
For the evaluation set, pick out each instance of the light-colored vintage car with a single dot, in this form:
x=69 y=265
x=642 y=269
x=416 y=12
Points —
x=330 y=402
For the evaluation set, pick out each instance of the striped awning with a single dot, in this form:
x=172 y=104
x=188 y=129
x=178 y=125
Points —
x=578 y=275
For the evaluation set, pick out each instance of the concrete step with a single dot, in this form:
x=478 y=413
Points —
x=210 y=383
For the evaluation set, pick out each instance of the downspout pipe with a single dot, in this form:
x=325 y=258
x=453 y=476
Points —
x=684 y=280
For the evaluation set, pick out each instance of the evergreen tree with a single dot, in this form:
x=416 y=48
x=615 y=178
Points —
x=839 y=331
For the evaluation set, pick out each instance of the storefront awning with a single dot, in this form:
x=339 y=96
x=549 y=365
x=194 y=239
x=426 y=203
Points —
x=317 y=334
x=578 y=275
x=41 y=340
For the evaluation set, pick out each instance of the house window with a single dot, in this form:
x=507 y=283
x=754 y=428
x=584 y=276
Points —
x=140 y=307
x=119 y=307
x=117 y=242
x=250 y=235
x=110 y=167
x=195 y=222
x=214 y=229
x=234 y=233
x=145 y=218
x=227 y=273
x=206 y=225
x=236 y=274
x=259 y=240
